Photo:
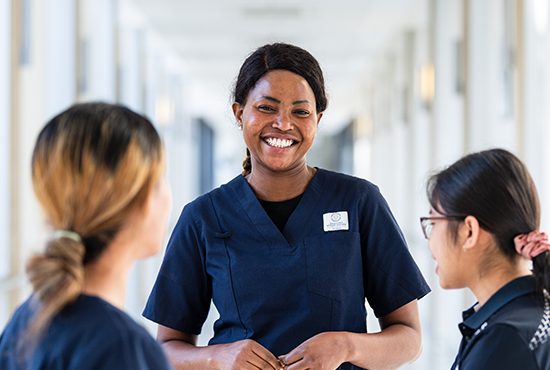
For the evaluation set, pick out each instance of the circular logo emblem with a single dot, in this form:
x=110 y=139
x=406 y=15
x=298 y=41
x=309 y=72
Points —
x=335 y=217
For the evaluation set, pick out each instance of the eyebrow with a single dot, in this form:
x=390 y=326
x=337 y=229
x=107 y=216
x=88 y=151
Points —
x=275 y=100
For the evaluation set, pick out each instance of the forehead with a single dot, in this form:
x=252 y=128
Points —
x=283 y=85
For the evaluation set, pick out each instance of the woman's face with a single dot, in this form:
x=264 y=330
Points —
x=279 y=121
x=153 y=222
x=448 y=255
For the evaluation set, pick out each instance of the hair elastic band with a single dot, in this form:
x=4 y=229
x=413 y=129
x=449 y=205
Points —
x=58 y=234
x=531 y=244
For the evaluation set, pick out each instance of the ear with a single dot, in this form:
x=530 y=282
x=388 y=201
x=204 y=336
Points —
x=470 y=233
x=319 y=115
x=238 y=112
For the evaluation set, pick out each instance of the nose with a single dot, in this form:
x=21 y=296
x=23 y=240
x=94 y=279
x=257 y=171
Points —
x=283 y=122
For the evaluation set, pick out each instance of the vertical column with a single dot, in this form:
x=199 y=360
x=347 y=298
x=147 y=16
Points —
x=490 y=112
x=543 y=27
x=533 y=77
x=446 y=144
x=131 y=68
x=60 y=55
x=419 y=163
x=97 y=50
x=448 y=103
x=5 y=109
x=28 y=70
x=5 y=131
x=476 y=111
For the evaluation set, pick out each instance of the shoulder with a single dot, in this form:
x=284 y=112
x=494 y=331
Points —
x=204 y=202
x=505 y=341
x=338 y=181
x=523 y=316
x=109 y=335
x=13 y=330
x=96 y=315
x=499 y=346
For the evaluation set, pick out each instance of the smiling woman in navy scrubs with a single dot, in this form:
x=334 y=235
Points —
x=483 y=234
x=287 y=252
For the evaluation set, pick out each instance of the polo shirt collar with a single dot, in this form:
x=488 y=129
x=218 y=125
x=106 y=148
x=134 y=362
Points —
x=475 y=321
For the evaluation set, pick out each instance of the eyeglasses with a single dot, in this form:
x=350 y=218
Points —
x=427 y=225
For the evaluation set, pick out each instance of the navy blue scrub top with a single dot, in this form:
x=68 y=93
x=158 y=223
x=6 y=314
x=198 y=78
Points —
x=281 y=289
x=88 y=334
x=509 y=332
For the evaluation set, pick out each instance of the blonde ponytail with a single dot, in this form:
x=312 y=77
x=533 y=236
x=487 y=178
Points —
x=93 y=166
x=57 y=278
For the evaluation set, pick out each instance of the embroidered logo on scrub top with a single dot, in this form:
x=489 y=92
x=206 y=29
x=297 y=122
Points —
x=335 y=221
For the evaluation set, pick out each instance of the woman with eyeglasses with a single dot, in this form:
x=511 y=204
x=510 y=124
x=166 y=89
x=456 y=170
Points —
x=483 y=232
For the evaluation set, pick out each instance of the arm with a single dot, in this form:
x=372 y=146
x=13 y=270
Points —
x=399 y=342
x=183 y=353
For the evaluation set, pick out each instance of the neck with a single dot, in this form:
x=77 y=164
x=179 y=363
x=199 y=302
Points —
x=107 y=276
x=489 y=283
x=279 y=186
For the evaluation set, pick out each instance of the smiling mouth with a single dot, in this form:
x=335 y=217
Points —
x=279 y=143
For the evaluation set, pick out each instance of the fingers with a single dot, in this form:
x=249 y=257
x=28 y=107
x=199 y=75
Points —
x=299 y=365
x=259 y=357
x=293 y=357
x=263 y=359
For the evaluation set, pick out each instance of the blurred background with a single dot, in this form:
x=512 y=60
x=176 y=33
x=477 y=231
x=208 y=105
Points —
x=413 y=85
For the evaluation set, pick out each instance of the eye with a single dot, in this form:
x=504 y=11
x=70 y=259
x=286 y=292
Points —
x=266 y=108
x=302 y=112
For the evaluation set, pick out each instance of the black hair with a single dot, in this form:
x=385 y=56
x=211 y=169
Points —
x=279 y=56
x=496 y=188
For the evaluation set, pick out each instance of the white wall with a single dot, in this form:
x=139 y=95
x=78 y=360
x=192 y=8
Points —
x=5 y=105
x=60 y=30
x=97 y=21
x=5 y=148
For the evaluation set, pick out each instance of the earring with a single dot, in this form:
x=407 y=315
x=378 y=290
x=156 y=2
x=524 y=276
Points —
x=240 y=125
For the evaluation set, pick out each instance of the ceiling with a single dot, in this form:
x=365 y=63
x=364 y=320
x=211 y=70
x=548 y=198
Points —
x=348 y=37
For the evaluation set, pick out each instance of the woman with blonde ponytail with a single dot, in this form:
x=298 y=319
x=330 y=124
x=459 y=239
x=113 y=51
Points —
x=98 y=172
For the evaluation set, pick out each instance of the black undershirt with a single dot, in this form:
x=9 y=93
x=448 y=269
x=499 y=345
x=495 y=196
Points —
x=279 y=212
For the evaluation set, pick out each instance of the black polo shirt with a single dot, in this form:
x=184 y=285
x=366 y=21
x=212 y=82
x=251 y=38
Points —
x=510 y=331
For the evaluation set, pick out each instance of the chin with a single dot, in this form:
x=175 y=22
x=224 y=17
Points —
x=282 y=167
x=448 y=284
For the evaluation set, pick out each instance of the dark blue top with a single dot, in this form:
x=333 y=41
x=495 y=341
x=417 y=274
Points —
x=282 y=288
x=509 y=332
x=87 y=334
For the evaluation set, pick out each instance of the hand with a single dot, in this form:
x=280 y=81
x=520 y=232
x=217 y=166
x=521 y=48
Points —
x=245 y=354
x=325 y=351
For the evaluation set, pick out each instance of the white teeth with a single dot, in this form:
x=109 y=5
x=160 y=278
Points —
x=278 y=143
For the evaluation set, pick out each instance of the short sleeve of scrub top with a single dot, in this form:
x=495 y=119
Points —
x=391 y=278
x=181 y=296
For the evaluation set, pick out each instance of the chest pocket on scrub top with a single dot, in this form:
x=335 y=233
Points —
x=334 y=264
x=262 y=275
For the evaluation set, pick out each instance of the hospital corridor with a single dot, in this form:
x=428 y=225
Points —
x=412 y=86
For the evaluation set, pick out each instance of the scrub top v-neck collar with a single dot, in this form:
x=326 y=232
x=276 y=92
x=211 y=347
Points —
x=293 y=230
